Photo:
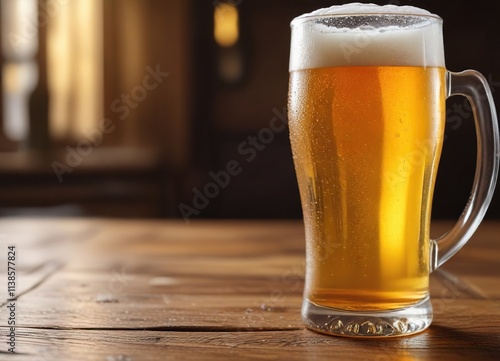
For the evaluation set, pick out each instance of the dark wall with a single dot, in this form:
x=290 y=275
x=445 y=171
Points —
x=228 y=114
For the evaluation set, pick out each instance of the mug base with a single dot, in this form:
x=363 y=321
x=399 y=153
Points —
x=371 y=324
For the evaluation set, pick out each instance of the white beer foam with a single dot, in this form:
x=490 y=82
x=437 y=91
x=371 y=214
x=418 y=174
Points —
x=359 y=8
x=316 y=45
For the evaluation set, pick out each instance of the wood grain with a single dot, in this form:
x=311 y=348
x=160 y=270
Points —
x=155 y=290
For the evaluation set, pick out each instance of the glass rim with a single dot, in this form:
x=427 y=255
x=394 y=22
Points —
x=306 y=18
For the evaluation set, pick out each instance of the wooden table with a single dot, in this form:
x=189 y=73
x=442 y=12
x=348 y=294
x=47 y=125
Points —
x=117 y=290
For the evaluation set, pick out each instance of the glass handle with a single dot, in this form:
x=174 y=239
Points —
x=474 y=87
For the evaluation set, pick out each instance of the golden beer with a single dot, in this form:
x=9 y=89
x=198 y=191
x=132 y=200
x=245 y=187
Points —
x=366 y=142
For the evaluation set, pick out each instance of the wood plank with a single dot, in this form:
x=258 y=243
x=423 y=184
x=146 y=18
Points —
x=472 y=343
x=121 y=300
x=150 y=290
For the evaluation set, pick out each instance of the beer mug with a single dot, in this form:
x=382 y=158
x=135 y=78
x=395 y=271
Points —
x=366 y=108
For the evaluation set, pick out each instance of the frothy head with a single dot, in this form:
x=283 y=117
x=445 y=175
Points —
x=366 y=34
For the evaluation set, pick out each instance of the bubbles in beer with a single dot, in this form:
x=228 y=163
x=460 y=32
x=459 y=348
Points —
x=359 y=8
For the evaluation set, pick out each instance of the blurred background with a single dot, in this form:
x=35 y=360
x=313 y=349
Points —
x=172 y=108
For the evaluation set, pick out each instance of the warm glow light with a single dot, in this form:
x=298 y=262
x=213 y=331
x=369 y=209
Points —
x=75 y=68
x=226 y=30
x=19 y=31
x=19 y=73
